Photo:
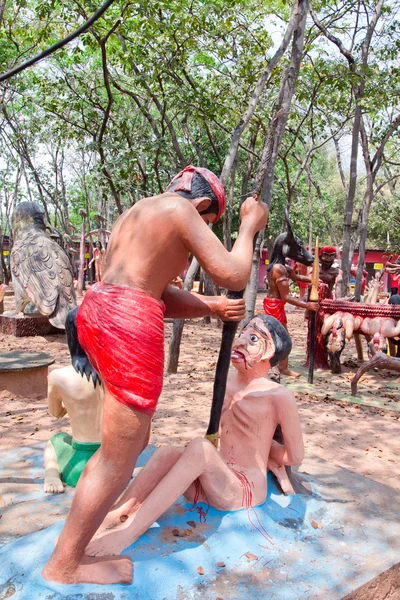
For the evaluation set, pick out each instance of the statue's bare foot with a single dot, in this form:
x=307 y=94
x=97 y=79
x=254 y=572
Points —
x=104 y=570
x=290 y=373
x=281 y=475
x=111 y=541
x=53 y=485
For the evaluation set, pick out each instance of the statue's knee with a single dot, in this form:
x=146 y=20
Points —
x=169 y=452
x=200 y=448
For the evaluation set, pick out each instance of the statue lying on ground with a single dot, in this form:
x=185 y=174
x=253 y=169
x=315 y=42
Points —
x=234 y=477
x=287 y=245
x=41 y=269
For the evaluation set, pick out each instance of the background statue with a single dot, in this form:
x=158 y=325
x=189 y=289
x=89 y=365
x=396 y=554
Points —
x=74 y=390
x=287 y=245
x=99 y=259
x=41 y=270
x=234 y=477
x=65 y=457
x=327 y=272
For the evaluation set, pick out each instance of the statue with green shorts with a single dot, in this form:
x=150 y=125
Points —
x=66 y=456
x=74 y=390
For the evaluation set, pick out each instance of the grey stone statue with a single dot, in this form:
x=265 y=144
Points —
x=41 y=269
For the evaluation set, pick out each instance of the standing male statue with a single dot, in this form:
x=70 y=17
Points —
x=120 y=327
x=287 y=245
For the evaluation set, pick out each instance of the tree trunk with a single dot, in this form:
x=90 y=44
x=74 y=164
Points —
x=325 y=213
x=177 y=329
x=208 y=291
x=310 y=214
x=265 y=176
x=245 y=120
x=227 y=217
x=349 y=206
x=250 y=163
x=79 y=289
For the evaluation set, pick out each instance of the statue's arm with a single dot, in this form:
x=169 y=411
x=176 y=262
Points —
x=292 y=451
x=296 y=277
x=181 y=304
x=56 y=407
x=52 y=475
x=282 y=282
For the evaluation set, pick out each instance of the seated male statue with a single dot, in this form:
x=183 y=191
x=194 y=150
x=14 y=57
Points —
x=234 y=477
x=64 y=456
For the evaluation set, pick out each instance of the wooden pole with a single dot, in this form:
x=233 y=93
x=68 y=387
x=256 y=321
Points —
x=229 y=329
x=313 y=316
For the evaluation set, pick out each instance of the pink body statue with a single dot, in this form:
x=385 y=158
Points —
x=99 y=259
x=254 y=406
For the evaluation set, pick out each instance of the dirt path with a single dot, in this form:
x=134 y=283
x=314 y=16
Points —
x=365 y=440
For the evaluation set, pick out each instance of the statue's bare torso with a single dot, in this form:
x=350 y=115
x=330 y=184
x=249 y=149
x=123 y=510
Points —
x=146 y=249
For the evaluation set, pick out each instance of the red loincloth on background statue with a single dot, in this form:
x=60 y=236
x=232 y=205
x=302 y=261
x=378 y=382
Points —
x=122 y=333
x=274 y=307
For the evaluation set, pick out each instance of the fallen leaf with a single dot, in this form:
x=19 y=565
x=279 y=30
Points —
x=200 y=570
x=316 y=525
x=192 y=524
x=251 y=556
x=221 y=564
x=175 y=532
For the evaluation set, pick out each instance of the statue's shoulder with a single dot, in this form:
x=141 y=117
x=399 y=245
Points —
x=279 y=270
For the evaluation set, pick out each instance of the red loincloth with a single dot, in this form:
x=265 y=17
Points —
x=122 y=333
x=275 y=307
x=320 y=352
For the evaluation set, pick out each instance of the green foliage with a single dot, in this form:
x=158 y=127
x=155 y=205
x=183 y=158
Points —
x=80 y=132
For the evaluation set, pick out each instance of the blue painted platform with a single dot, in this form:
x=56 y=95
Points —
x=324 y=545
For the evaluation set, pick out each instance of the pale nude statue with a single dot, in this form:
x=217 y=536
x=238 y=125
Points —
x=254 y=406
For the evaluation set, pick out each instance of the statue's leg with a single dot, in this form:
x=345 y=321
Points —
x=284 y=364
x=392 y=347
x=359 y=348
x=200 y=459
x=282 y=476
x=124 y=433
x=52 y=475
x=147 y=479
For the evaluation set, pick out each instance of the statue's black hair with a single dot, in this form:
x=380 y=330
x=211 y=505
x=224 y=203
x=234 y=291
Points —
x=200 y=189
x=394 y=299
x=280 y=337
x=99 y=242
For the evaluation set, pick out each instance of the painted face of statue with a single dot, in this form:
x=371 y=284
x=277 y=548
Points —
x=328 y=258
x=253 y=345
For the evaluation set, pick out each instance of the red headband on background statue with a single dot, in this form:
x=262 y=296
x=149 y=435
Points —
x=185 y=184
x=327 y=249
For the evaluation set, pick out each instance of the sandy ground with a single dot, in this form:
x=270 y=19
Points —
x=365 y=440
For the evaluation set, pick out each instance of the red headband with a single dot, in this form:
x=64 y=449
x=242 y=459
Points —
x=185 y=184
x=327 y=249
